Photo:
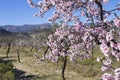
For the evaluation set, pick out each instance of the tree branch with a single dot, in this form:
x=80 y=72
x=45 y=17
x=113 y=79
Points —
x=101 y=9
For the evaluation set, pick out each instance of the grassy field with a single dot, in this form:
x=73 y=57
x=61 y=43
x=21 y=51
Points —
x=29 y=69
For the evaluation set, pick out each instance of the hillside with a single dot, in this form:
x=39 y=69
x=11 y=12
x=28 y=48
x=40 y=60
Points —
x=26 y=28
x=4 y=32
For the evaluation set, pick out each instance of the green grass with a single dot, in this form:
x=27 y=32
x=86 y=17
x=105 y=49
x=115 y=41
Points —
x=6 y=71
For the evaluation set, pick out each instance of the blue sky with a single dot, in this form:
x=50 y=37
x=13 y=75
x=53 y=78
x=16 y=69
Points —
x=18 y=12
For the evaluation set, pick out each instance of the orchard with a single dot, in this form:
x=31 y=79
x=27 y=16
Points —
x=75 y=39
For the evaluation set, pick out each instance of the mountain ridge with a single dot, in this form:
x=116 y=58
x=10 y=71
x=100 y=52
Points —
x=26 y=27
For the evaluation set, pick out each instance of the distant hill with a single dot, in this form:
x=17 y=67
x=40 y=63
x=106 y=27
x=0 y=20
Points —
x=26 y=28
x=4 y=32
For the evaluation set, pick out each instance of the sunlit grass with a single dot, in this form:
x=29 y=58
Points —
x=52 y=71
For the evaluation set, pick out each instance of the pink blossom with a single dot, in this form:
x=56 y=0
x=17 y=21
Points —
x=117 y=22
x=92 y=0
x=105 y=50
x=31 y=3
x=52 y=2
x=98 y=30
x=54 y=59
x=40 y=3
x=107 y=62
x=117 y=74
x=105 y=1
x=104 y=68
x=107 y=76
x=109 y=36
x=82 y=13
x=114 y=53
x=118 y=46
x=72 y=58
x=117 y=56
x=78 y=26
x=93 y=9
x=113 y=45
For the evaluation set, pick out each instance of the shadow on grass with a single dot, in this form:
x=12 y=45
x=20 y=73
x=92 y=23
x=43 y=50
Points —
x=20 y=75
x=5 y=57
x=6 y=60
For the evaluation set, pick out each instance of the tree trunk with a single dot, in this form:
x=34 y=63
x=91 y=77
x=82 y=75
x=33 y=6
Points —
x=45 y=52
x=18 y=55
x=32 y=47
x=64 y=66
x=36 y=49
x=8 y=50
x=92 y=65
x=0 y=46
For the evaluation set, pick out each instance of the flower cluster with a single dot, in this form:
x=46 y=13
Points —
x=66 y=41
x=107 y=76
x=117 y=22
x=106 y=65
x=104 y=1
x=66 y=8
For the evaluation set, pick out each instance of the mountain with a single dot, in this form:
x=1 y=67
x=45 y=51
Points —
x=26 y=28
x=4 y=32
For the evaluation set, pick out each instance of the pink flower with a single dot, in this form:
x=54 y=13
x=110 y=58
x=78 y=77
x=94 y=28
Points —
x=71 y=38
x=93 y=9
x=107 y=62
x=104 y=68
x=114 y=53
x=118 y=46
x=78 y=26
x=117 y=22
x=82 y=13
x=54 y=59
x=52 y=2
x=31 y=3
x=117 y=74
x=92 y=0
x=109 y=36
x=40 y=3
x=107 y=76
x=105 y=50
x=72 y=58
x=105 y=1
x=117 y=56
x=113 y=45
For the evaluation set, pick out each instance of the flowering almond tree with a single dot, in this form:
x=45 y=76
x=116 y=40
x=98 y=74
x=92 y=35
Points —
x=76 y=38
